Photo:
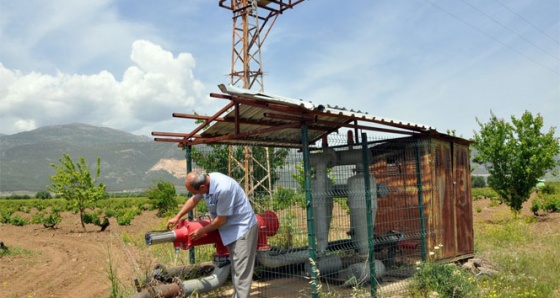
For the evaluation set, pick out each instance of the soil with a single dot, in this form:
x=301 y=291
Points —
x=67 y=262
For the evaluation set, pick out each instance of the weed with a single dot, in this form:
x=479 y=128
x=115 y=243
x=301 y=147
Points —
x=441 y=279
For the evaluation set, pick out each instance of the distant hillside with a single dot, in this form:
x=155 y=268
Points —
x=128 y=162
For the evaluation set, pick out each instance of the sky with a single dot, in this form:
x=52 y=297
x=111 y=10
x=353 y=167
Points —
x=130 y=64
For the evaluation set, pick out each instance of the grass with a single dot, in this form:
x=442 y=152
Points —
x=14 y=251
x=526 y=257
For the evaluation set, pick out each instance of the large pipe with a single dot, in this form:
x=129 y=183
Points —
x=274 y=260
x=359 y=273
x=358 y=212
x=207 y=283
x=321 y=189
x=198 y=285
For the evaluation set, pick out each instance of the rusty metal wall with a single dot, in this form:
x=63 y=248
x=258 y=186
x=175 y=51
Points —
x=445 y=188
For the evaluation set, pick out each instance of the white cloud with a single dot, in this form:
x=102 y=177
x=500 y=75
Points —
x=71 y=36
x=154 y=87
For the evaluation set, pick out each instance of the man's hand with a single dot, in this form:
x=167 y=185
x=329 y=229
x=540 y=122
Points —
x=172 y=223
x=197 y=234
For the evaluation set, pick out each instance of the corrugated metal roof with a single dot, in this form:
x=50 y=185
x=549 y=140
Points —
x=255 y=118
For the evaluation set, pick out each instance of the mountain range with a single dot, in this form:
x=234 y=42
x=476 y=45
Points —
x=128 y=162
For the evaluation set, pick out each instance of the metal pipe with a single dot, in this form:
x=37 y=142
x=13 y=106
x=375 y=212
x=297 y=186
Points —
x=371 y=208
x=271 y=260
x=208 y=283
x=309 y=203
x=157 y=237
x=197 y=285
x=321 y=188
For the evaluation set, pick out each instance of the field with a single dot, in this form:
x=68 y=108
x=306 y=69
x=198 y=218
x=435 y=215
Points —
x=68 y=262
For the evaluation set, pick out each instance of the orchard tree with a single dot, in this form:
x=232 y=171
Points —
x=75 y=183
x=516 y=155
x=163 y=197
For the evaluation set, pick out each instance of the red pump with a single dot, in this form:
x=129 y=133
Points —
x=267 y=222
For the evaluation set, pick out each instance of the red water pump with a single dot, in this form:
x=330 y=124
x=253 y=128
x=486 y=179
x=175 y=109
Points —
x=267 y=222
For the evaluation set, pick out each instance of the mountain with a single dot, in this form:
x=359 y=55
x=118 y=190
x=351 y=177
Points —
x=128 y=162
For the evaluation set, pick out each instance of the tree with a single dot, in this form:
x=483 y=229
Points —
x=75 y=183
x=516 y=155
x=163 y=197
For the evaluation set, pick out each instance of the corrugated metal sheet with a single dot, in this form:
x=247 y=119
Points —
x=255 y=118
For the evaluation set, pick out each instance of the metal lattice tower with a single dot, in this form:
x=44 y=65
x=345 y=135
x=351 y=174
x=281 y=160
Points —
x=252 y=21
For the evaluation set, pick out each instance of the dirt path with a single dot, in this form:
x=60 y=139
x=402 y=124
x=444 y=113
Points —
x=67 y=262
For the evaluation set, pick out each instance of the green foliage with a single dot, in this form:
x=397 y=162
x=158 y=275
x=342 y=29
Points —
x=75 y=183
x=47 y=219
x=5 y=215
x=285 y=197
x=478 y=181
x=18 y=197
x=43 y=194
x=433 y=279
x=126 y=217
x=97 y=218
x=16 y=220
x=15 y=251
x=299 y=175
x=516 y=155
x=547 y=189
x=546 y=202
x=51 y=219
x=484 y=193
x=163 y=197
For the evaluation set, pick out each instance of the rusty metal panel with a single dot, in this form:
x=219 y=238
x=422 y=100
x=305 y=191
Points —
x=445 y=185
x=463 y=206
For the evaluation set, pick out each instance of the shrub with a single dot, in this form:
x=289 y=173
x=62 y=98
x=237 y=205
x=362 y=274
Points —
x=43 y=194
x=547 y=189
x=284 y=198
x=545 y=202
x=127 y=216
x=51 y=220
x=478 y=181
x=433 y=279
x=483 y=193
x=96 y=219
x=5 y=215
x=163 y=197
x=37 y=218
x=18 y=221
x=447 y=280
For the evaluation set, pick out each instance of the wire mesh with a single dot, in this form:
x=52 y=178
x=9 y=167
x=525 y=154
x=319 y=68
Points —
x=331 y=252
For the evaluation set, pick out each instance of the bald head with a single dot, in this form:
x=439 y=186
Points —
x=195 y=180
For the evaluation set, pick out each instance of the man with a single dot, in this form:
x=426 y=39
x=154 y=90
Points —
x=233 y=217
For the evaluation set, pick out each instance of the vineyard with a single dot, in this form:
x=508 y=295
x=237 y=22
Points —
x=48 y=211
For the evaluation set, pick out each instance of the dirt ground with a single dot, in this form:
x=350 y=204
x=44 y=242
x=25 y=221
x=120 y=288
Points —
x=66 y=262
